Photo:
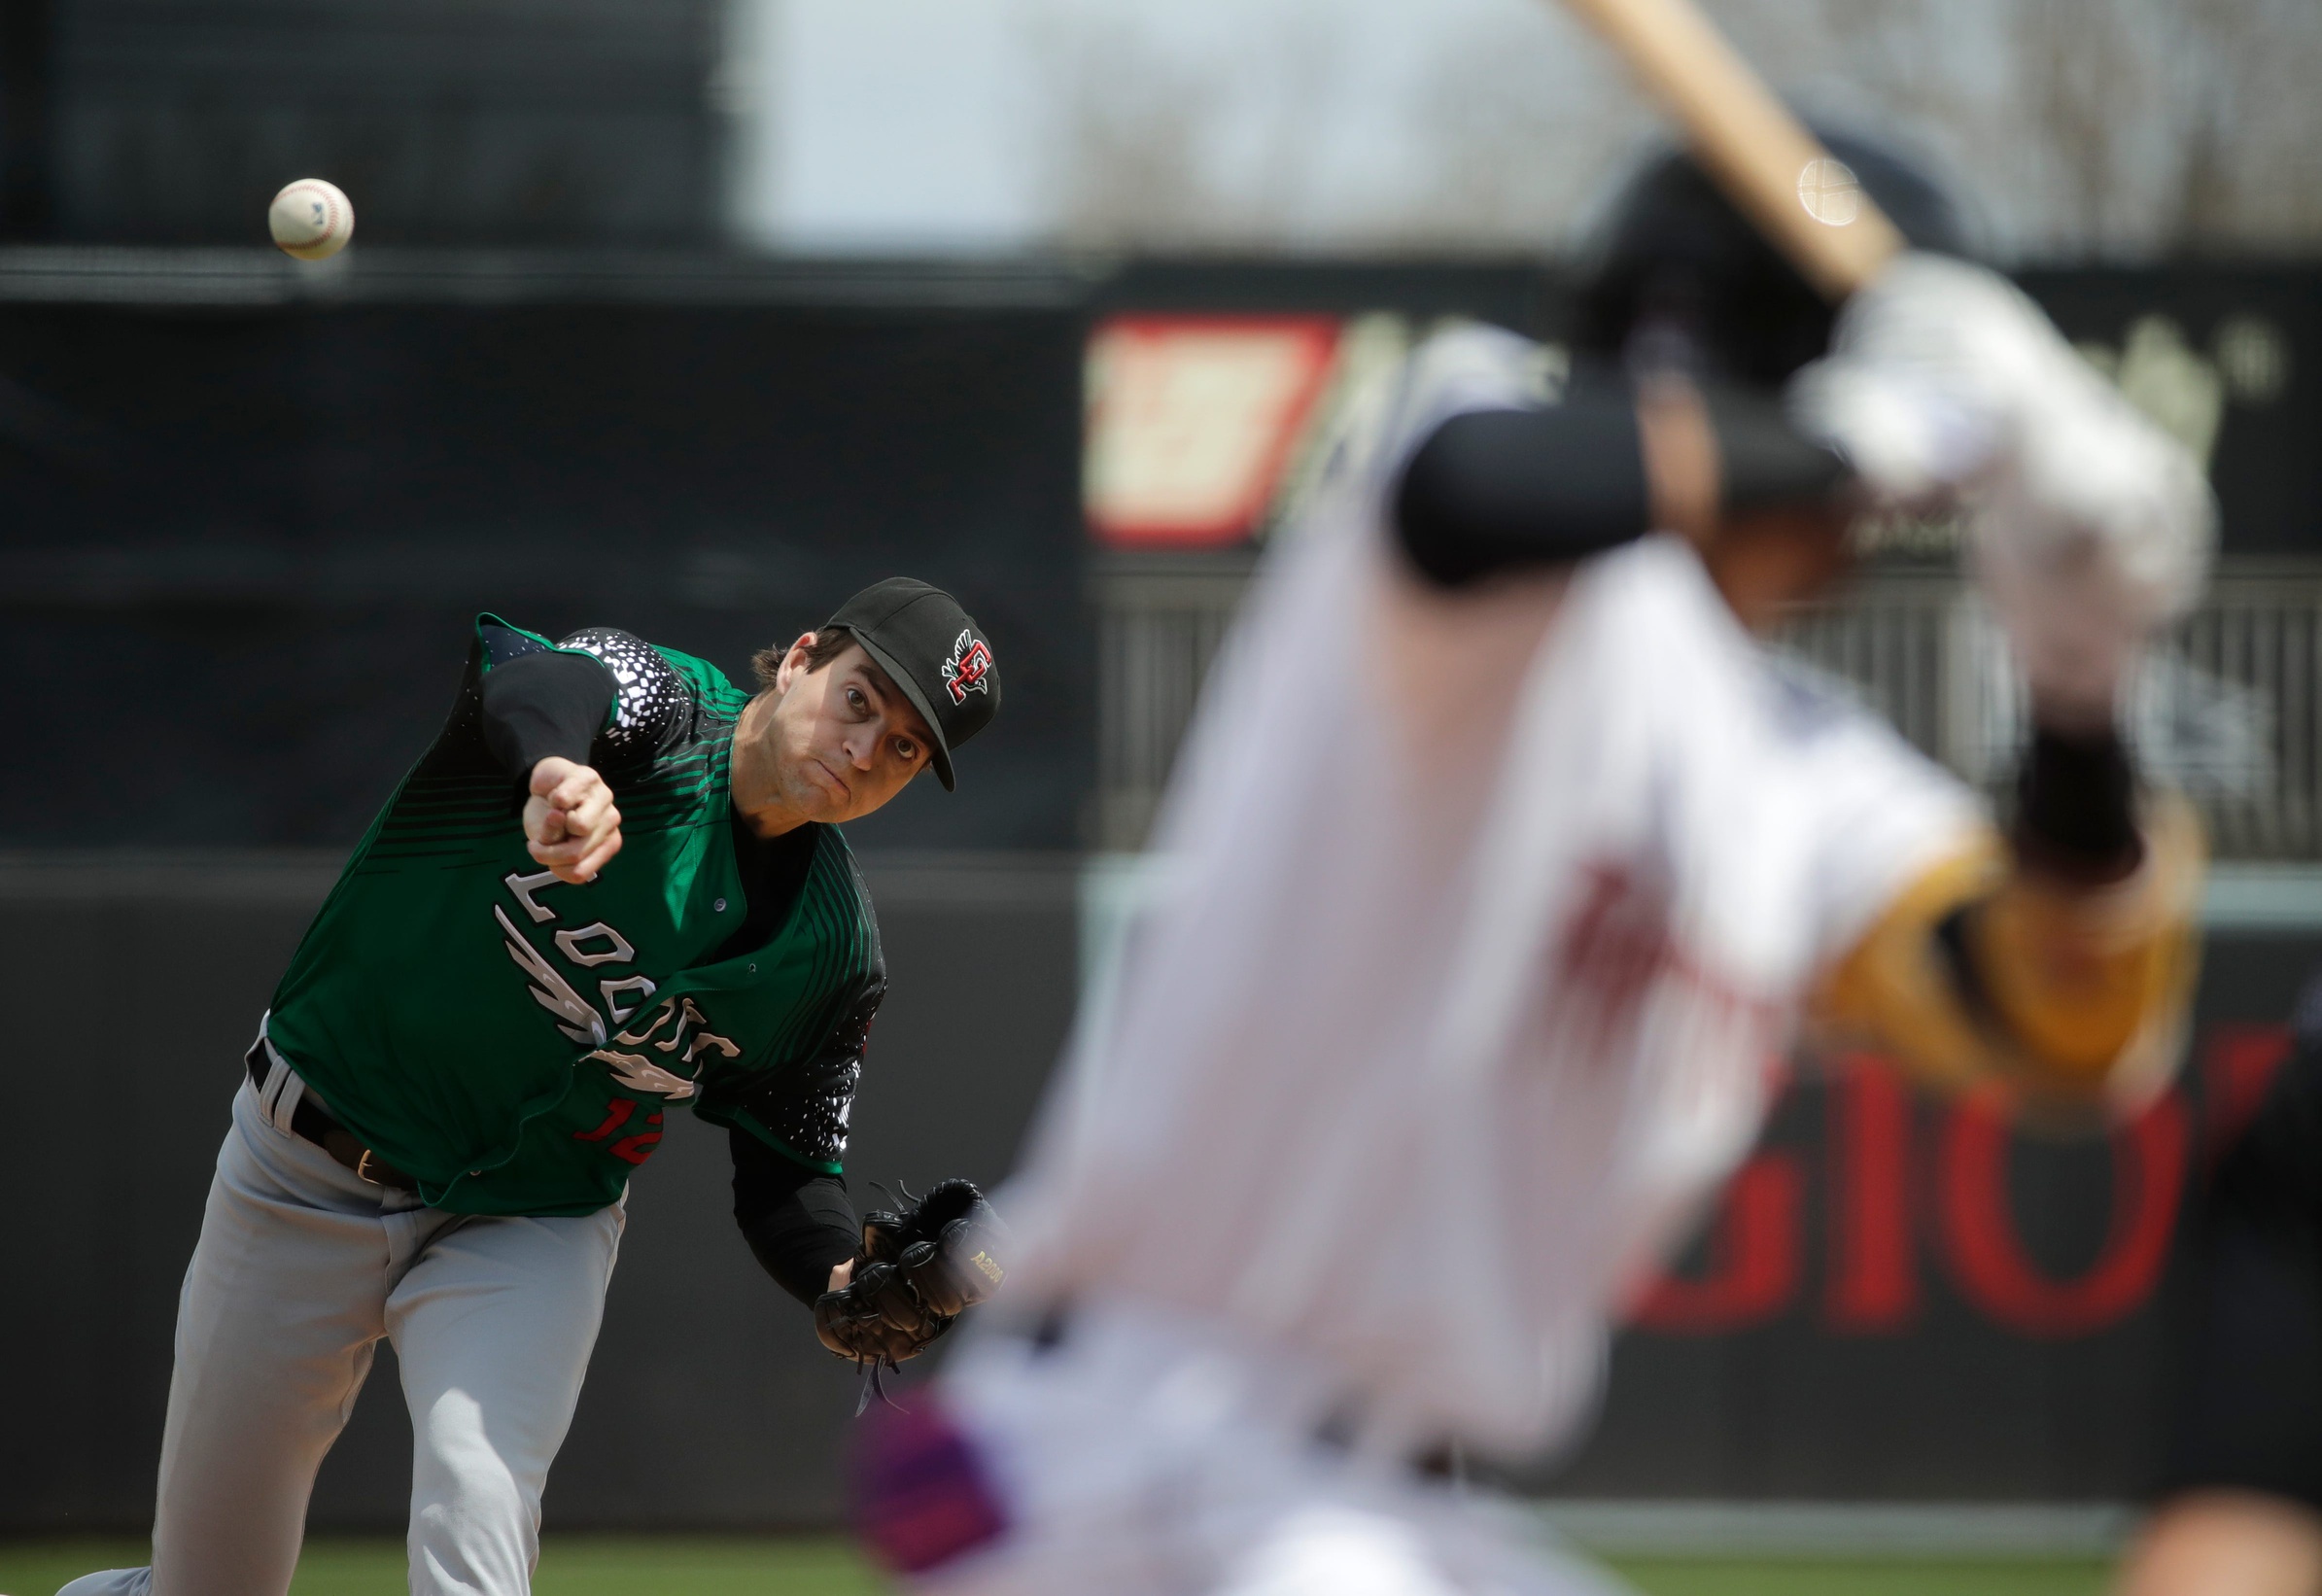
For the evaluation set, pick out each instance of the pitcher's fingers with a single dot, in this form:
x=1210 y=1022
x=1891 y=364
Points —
x=588 y=867
x=568 y=861
x=587 y=812
x=577 y=840
x=548 y=773
x=574 y=789
x=576 y=844
x=558 y=854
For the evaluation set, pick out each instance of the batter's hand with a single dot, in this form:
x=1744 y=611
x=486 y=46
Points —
x=2090 y=527
x=570 y=822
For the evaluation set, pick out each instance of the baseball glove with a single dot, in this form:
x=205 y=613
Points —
x=916 y=1272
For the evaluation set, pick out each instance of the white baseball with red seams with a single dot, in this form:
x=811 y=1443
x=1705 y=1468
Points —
x=311 y=219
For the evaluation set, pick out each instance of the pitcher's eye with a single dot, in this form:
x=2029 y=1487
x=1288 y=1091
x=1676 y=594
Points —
x=906 y=750
x=856 y=700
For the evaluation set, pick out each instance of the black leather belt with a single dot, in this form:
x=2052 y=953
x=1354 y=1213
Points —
x=312 y=1124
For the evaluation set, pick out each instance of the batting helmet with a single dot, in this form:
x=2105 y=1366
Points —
x=1677 y=276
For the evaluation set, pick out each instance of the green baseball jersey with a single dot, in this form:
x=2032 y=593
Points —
x=512 y=1040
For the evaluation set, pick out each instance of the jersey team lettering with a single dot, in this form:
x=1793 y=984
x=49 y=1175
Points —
x=599 y=943
x=640 y=1074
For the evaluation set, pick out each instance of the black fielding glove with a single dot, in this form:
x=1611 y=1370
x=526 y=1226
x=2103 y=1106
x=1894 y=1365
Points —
x=876 y=1319
x=916 y=1273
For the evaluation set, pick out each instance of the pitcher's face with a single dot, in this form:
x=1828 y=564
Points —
x=843 y=740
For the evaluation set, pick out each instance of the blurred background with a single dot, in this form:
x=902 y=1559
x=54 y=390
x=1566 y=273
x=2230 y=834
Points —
x=690 y=316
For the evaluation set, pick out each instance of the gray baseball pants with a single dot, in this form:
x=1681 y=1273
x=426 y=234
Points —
x=300 y=1270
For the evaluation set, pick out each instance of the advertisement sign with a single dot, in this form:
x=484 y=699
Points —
x=1192 y=419
x=1900 y=1296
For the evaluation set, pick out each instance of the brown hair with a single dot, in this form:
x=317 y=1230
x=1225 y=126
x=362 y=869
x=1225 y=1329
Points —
x=828 y=644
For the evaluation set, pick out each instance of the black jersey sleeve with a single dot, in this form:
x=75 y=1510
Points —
x=1492 y=490
x=544 y=704
x=800 y=1224
x=1514 y=489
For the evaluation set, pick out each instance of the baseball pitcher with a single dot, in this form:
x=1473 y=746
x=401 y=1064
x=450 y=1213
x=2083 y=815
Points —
x=614 y=884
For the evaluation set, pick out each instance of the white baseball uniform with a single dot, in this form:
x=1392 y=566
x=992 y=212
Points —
x=1513 y=892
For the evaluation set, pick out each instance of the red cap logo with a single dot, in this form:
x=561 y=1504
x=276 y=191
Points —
x=964 y=672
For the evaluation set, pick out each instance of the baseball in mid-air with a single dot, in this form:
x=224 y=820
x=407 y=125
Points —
x=311 y=219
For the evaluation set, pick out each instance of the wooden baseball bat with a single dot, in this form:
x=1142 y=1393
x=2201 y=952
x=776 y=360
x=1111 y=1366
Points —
x=1776 y=171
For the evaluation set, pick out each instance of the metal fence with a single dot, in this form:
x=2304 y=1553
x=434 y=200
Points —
x=2231 y=710
x=1160 y=619
x=2246 y=704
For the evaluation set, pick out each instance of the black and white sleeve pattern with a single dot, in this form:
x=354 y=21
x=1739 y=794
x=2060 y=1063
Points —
x=806 y=1108
x=652 y=704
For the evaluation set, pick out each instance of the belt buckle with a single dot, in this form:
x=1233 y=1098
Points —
x=363 y=1167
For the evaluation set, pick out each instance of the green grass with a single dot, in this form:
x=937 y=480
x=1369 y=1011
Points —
x=576 y=1564
x=572 y=1565
x=1835 y=1577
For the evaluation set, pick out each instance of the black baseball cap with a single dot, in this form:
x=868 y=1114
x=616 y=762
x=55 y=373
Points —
x=934 y=651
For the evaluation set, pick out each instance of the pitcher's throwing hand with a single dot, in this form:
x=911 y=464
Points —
x=570 y=822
